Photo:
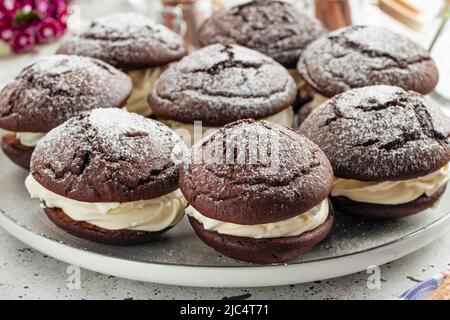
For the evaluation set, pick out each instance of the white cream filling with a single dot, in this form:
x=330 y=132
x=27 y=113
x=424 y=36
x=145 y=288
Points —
x=143 y=82
x=297 y=78
x=390 y=192
x=29 y=139
x=292 y=227
x=283 y=118
x=146 y=215
x=192 y=133
x=4 y=132
x=317 y=100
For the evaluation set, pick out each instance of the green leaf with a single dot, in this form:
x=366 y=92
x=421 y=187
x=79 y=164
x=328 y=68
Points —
x=23 y=16
x=444 y=15
x=445 y=12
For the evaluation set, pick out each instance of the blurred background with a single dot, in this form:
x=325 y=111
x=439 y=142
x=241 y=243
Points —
x=420 y=20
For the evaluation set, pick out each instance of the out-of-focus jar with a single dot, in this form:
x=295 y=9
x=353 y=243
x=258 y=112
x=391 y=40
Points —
x=186 y=16
x=334 y=14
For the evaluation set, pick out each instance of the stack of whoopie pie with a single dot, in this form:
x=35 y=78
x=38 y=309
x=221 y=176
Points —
x=359 y=56
x=258 y=192
x=220 y=84
x=51 y=91
x=389 y=149
x=109 y=176
x=134 y=44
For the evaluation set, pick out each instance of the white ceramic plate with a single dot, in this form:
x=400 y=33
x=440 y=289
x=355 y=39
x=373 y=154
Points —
x=179 y=258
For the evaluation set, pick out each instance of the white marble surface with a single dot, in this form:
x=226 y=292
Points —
x=28 y=274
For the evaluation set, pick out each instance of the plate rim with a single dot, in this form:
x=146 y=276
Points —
x=441 y=219
x=228 y=276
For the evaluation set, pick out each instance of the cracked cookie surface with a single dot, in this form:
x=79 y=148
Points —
x=219 y=84
x=54 y=89
x=274 y=28
x=253 y=172
x=380 y=133
x=128 y=41
x=360 y=56
x=108 y=155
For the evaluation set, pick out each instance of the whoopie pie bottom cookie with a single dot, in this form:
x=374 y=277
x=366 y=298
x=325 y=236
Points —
x=111 y=223
x=85 y=230
x=262 y=250
x=381 y=211
x=389 y=199
x=19 y=153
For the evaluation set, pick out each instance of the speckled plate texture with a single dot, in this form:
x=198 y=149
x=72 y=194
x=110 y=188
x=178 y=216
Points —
x=181 y=258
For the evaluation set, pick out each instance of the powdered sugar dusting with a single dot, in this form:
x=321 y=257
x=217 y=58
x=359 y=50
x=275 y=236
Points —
x=380 y=133
x=219 y=84
x=274 y=28
x=127 y=40
x=56 y=88
x=108 y=155
x=359 y=56
x=259 y=169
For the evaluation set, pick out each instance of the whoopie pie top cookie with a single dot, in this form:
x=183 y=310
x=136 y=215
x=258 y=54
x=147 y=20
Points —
x=126 y=41
x=133 y=43
x=275 y=28
x=56 y=88
x=108 y=155
x=252 y=172
x=359 y=56
x=380 y=133
x=219 y=84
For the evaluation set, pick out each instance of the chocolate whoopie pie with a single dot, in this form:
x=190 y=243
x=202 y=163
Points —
x=109 y=176
x=359 y=56
x=132 y=43
x=275 y=28
x=389 y=149
x=51 y=91
x=258 y=192
x=220 y=84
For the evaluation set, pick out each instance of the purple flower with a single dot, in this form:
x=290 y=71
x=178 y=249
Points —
x=9 y=6
x=62 y=15
x=6 y=28
x=49 y=8
x=42 y=7
x=26 y=4
x=23 y=40
x=23 y=23
x=47 y=30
